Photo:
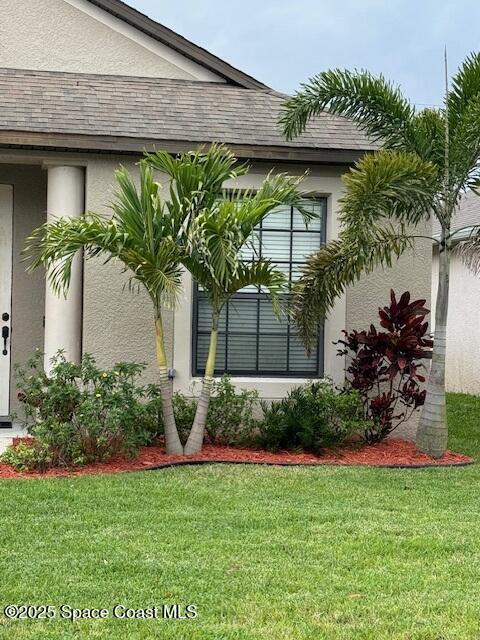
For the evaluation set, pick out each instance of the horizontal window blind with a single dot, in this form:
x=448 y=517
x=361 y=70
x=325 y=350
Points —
x=252 y=339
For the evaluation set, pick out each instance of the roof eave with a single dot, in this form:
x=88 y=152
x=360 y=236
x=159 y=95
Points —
x=166 y=36
x=134 y=146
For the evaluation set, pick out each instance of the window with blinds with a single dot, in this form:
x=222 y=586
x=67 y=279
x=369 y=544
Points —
x=252 y=340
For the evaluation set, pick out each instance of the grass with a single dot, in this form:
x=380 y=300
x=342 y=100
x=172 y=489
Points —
x=264 y=553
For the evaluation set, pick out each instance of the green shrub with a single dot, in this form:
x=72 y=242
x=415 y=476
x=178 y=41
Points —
x=63 y=443
x=82 y=413
x=230 y=418
x=184 y=409
x=31 y=456
x=311 y=418
x=231 y=414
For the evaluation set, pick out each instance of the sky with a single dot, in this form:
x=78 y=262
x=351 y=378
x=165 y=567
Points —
x=285 y=42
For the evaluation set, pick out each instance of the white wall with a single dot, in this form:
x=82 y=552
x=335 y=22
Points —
x=463 y=328
x=76 y=36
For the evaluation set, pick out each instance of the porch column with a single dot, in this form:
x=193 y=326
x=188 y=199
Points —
x=63 y=316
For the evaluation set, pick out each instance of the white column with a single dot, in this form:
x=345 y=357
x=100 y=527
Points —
x=63 y=316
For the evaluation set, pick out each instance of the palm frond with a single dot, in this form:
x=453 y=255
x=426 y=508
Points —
x=127 y=202
x=197 y=177
x=55 y=244
x=337 y=265
x=199 y=272
x=217 y=234
x=262 y=273
x=375 y=104
x=428 y=136
x=276 y=190
x=161 y=277
x=385 y=185
x=465 y=147
x=214 y=238
x=469 y=251
x=465 y=86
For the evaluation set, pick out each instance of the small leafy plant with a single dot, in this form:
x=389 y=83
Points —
x=231 y=414
x=80 y=413
x=28 y=456
x=384 y=365
x=311 y=418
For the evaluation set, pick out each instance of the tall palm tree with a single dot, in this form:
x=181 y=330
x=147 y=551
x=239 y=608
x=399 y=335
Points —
x=427 y=160
x=215 y=262
x=145 y=237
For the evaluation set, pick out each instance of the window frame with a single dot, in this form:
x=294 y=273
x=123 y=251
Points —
x=265 y=373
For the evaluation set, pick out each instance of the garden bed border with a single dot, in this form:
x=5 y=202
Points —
x=424 y=465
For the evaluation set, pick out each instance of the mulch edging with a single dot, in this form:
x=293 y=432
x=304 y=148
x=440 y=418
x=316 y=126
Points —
x=197 y=463
x=390 y=454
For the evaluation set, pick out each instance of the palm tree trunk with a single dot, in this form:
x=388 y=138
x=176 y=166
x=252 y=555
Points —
x=173 y=445
x=195 y=439
x=432 y=432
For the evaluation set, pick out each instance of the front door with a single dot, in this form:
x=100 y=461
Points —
x=6 y=226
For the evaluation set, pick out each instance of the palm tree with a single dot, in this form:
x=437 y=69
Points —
x=144 y=236
x=215 y=262
x=427 y=160
x=220 y=225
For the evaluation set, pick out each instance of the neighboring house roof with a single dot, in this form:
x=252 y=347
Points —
x=466 y=217
x=127 y=114
x=175 y=41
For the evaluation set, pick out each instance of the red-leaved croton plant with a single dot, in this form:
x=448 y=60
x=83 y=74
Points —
x=383 y=365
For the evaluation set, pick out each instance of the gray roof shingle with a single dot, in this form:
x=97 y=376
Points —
x=159 y=109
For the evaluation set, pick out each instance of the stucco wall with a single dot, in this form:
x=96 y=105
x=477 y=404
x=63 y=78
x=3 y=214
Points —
x=85 y=39
x=28 y=290
x=411 y=272
x=463 y=328
x=117 y=323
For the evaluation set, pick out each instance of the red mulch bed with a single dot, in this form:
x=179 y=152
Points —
x=390 y=453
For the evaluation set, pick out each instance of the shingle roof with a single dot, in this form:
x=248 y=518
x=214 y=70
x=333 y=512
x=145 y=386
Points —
x=467 y=215
x=157 y=109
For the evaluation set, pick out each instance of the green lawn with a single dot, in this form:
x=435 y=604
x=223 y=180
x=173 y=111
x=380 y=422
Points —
x=264 y=553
